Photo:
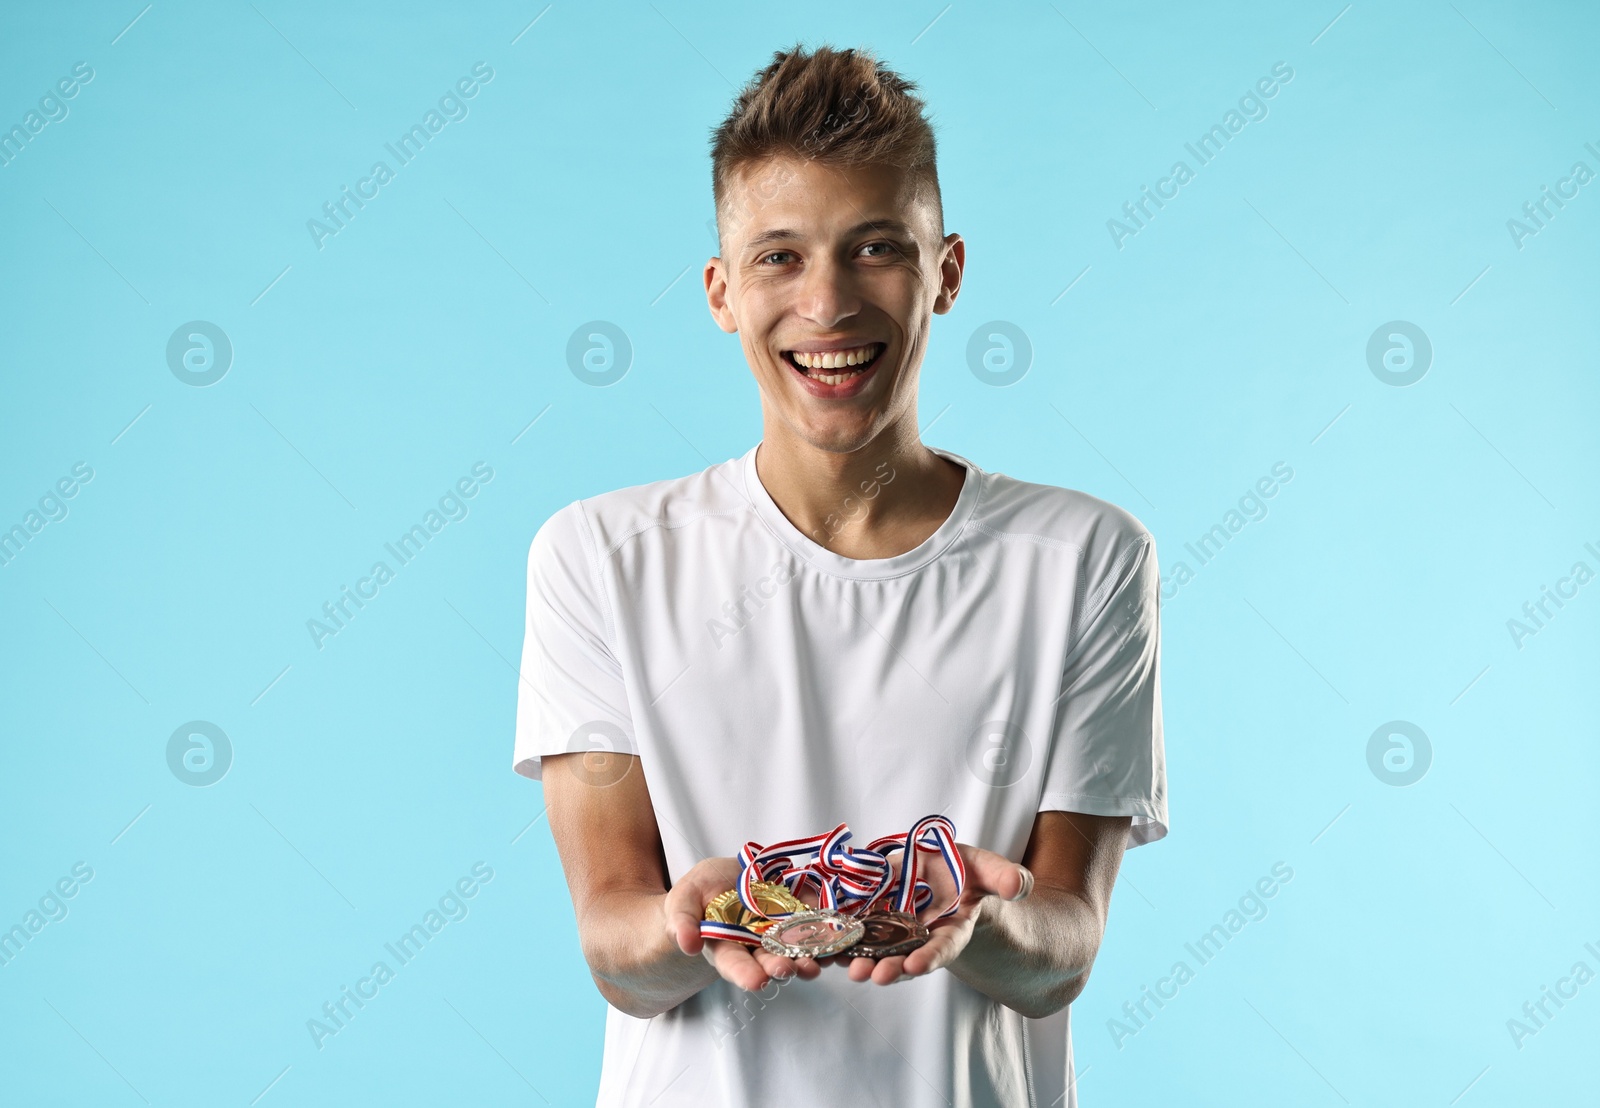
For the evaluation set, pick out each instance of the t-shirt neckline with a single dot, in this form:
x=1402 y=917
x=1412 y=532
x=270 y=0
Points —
x=820 y=557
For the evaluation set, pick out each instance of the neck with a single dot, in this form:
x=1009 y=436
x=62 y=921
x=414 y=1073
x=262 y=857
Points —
x=880 y=500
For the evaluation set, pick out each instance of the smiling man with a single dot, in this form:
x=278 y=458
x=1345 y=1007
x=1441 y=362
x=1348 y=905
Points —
x=841 y=625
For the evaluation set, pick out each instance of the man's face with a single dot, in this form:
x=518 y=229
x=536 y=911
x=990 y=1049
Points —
x=830 y=277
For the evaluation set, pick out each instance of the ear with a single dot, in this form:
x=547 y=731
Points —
x=951 y=265
x=716 y=279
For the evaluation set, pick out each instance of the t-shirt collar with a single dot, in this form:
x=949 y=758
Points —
x=864 y=569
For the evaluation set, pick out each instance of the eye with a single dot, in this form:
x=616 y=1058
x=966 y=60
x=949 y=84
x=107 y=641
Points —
x=887 y=248
x=777 y=254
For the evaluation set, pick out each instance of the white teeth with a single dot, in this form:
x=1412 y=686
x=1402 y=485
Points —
x=835 y=359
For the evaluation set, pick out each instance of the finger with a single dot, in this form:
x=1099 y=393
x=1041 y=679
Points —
x=933 y=954
x=888 y=970
x=775 y=965
x=860 y=969
x=736 y=965
x=683 y=923
x=925 y=959
x=685 y=906
x=989 y=872
x=807 y=968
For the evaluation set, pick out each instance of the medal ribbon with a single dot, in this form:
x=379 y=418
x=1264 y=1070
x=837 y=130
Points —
x=851 y=880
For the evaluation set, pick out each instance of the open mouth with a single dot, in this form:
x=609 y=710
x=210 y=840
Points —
x=835 y=367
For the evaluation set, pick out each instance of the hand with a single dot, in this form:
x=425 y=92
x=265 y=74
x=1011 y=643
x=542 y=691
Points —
x=750 y=968
x=988 y=874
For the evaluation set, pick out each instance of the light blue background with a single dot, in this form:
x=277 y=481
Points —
x=1228 y=335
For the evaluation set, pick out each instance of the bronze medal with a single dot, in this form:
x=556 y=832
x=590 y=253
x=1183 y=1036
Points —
x=886 y=934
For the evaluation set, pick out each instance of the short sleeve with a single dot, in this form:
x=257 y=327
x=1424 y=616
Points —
x=570 y=692
x=1106 y=754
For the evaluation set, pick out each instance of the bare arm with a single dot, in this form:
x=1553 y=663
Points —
x=1025 y=936
x=641 y=941
x=1034 y=955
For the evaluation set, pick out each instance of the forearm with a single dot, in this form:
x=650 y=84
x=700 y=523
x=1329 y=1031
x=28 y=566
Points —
x=637 y=967
x=1031 y=955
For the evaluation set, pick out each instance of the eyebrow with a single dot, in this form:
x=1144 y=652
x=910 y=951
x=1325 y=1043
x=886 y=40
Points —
x=881 y=226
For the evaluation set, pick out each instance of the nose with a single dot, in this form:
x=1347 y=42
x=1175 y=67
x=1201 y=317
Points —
x=827 y=293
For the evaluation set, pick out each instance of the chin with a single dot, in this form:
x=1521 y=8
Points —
x=839 y=440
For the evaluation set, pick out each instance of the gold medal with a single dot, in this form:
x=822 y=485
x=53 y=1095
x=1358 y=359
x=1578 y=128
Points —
x=773 y=899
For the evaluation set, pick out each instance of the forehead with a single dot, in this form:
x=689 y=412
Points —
x=814 y=198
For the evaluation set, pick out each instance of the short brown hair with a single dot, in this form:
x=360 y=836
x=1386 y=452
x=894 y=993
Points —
x=837 y=107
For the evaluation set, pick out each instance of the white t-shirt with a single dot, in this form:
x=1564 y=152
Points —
x=1008 y=665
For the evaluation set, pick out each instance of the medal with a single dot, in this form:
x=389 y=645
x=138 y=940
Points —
x=815 y=933
x=886 y=934
x=857 y=910
x=893 y=928
x=726 y=908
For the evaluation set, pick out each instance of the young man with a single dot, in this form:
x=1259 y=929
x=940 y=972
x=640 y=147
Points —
x=842 y=625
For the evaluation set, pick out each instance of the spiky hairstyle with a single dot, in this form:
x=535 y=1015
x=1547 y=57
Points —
x=837 y=107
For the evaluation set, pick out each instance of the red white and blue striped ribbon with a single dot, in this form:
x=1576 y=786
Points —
x=847 y=879
x=944 y=843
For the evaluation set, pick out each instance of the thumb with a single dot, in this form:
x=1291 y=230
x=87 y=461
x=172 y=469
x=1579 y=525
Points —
x=997 y=874
x=1026 y=885
x=684 y=909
